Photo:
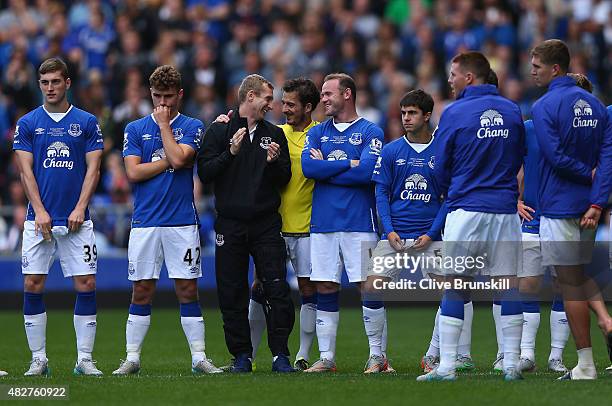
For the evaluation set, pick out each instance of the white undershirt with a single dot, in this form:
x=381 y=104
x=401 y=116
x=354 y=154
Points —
x=252 y=132
x=57 y=117
x=418 y=147
x=343 y=126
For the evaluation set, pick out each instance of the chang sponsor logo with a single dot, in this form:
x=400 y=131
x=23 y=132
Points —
x=582 y=113
x=415 y=187
x=337 y=155
x=492 y=118
x=158 y=154
x=58 y=155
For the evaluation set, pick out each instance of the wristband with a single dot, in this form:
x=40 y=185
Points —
x=596 y=206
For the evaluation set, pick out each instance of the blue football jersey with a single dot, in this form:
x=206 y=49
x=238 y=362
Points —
x=58 y=149
x=406 y=187
x=343 y=197
x=531 y=178
x=481 y=145
x=166 y=199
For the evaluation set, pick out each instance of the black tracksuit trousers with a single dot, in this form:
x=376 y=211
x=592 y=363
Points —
x=260 y=238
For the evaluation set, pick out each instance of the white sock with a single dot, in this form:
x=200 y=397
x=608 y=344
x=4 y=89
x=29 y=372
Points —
x=585 y=358
x=465 y=339
x=434 y=344
x=383 y=339
x=135 y=332
x=36 y=332
x=194 y=331
x=257 y=321
x=308 y=324
x=450 y=330
x=559 y=333
x=327 y=329
x=374 y=322
x=498 y=328
x=85 y=329
x=512 y=327
x=531 y=324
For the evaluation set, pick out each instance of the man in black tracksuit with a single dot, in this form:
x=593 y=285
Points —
x=248 y=161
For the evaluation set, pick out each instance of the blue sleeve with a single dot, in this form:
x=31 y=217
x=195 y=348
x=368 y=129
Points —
x=602 y=183
x=131 y=142
x=22 y=139
x=93 y=135
x=362 y=174
x=318 y=169
x=444 y=153
x=435 y=232
x=550 y=144
x=193 y=137
x=382 y=176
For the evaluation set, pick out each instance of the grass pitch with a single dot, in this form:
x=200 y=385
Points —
x=166 y=378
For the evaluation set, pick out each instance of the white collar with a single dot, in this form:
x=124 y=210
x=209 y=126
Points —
x=57 y=117
x=343 y=126
x=418 y=147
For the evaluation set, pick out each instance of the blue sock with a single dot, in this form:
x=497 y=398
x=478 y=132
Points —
x=33 y=303
x=309 y=299
x=328 y=302
x=371 y=304
x=557 y=304
x=530 y=306
x=452 y=303
x=85 y=304
x=191 y=309
x=511 y=303
x=140 y=310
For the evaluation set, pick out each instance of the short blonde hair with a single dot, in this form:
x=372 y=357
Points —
x=252 y=82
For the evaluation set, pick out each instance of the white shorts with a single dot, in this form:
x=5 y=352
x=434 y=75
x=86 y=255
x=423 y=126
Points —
x=77 y=252
x=425 y=260
x=532 y=257
x=179 y=247
x=564 y=242
x=330 y=251
x=483 y=238
x=298 y=252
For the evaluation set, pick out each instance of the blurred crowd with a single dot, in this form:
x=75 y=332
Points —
x=389 y=46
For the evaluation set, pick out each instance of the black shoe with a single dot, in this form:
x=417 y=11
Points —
x=282 y=364
x=301 y=364
x=240 y=364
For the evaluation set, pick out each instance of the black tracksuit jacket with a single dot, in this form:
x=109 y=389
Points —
x=246 y=186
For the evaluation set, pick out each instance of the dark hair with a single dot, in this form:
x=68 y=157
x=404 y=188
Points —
x=553 y=52
x=306 y=90
x=418 y=98
x=166 y=77
x=582 y=81
x=53 y=65
x=345 y=82
x=492 y=78
x=473 y=62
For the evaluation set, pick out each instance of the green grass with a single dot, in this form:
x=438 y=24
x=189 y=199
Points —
x=165 y=376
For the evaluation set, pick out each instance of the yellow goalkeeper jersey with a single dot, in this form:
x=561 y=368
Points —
x=296 y=197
